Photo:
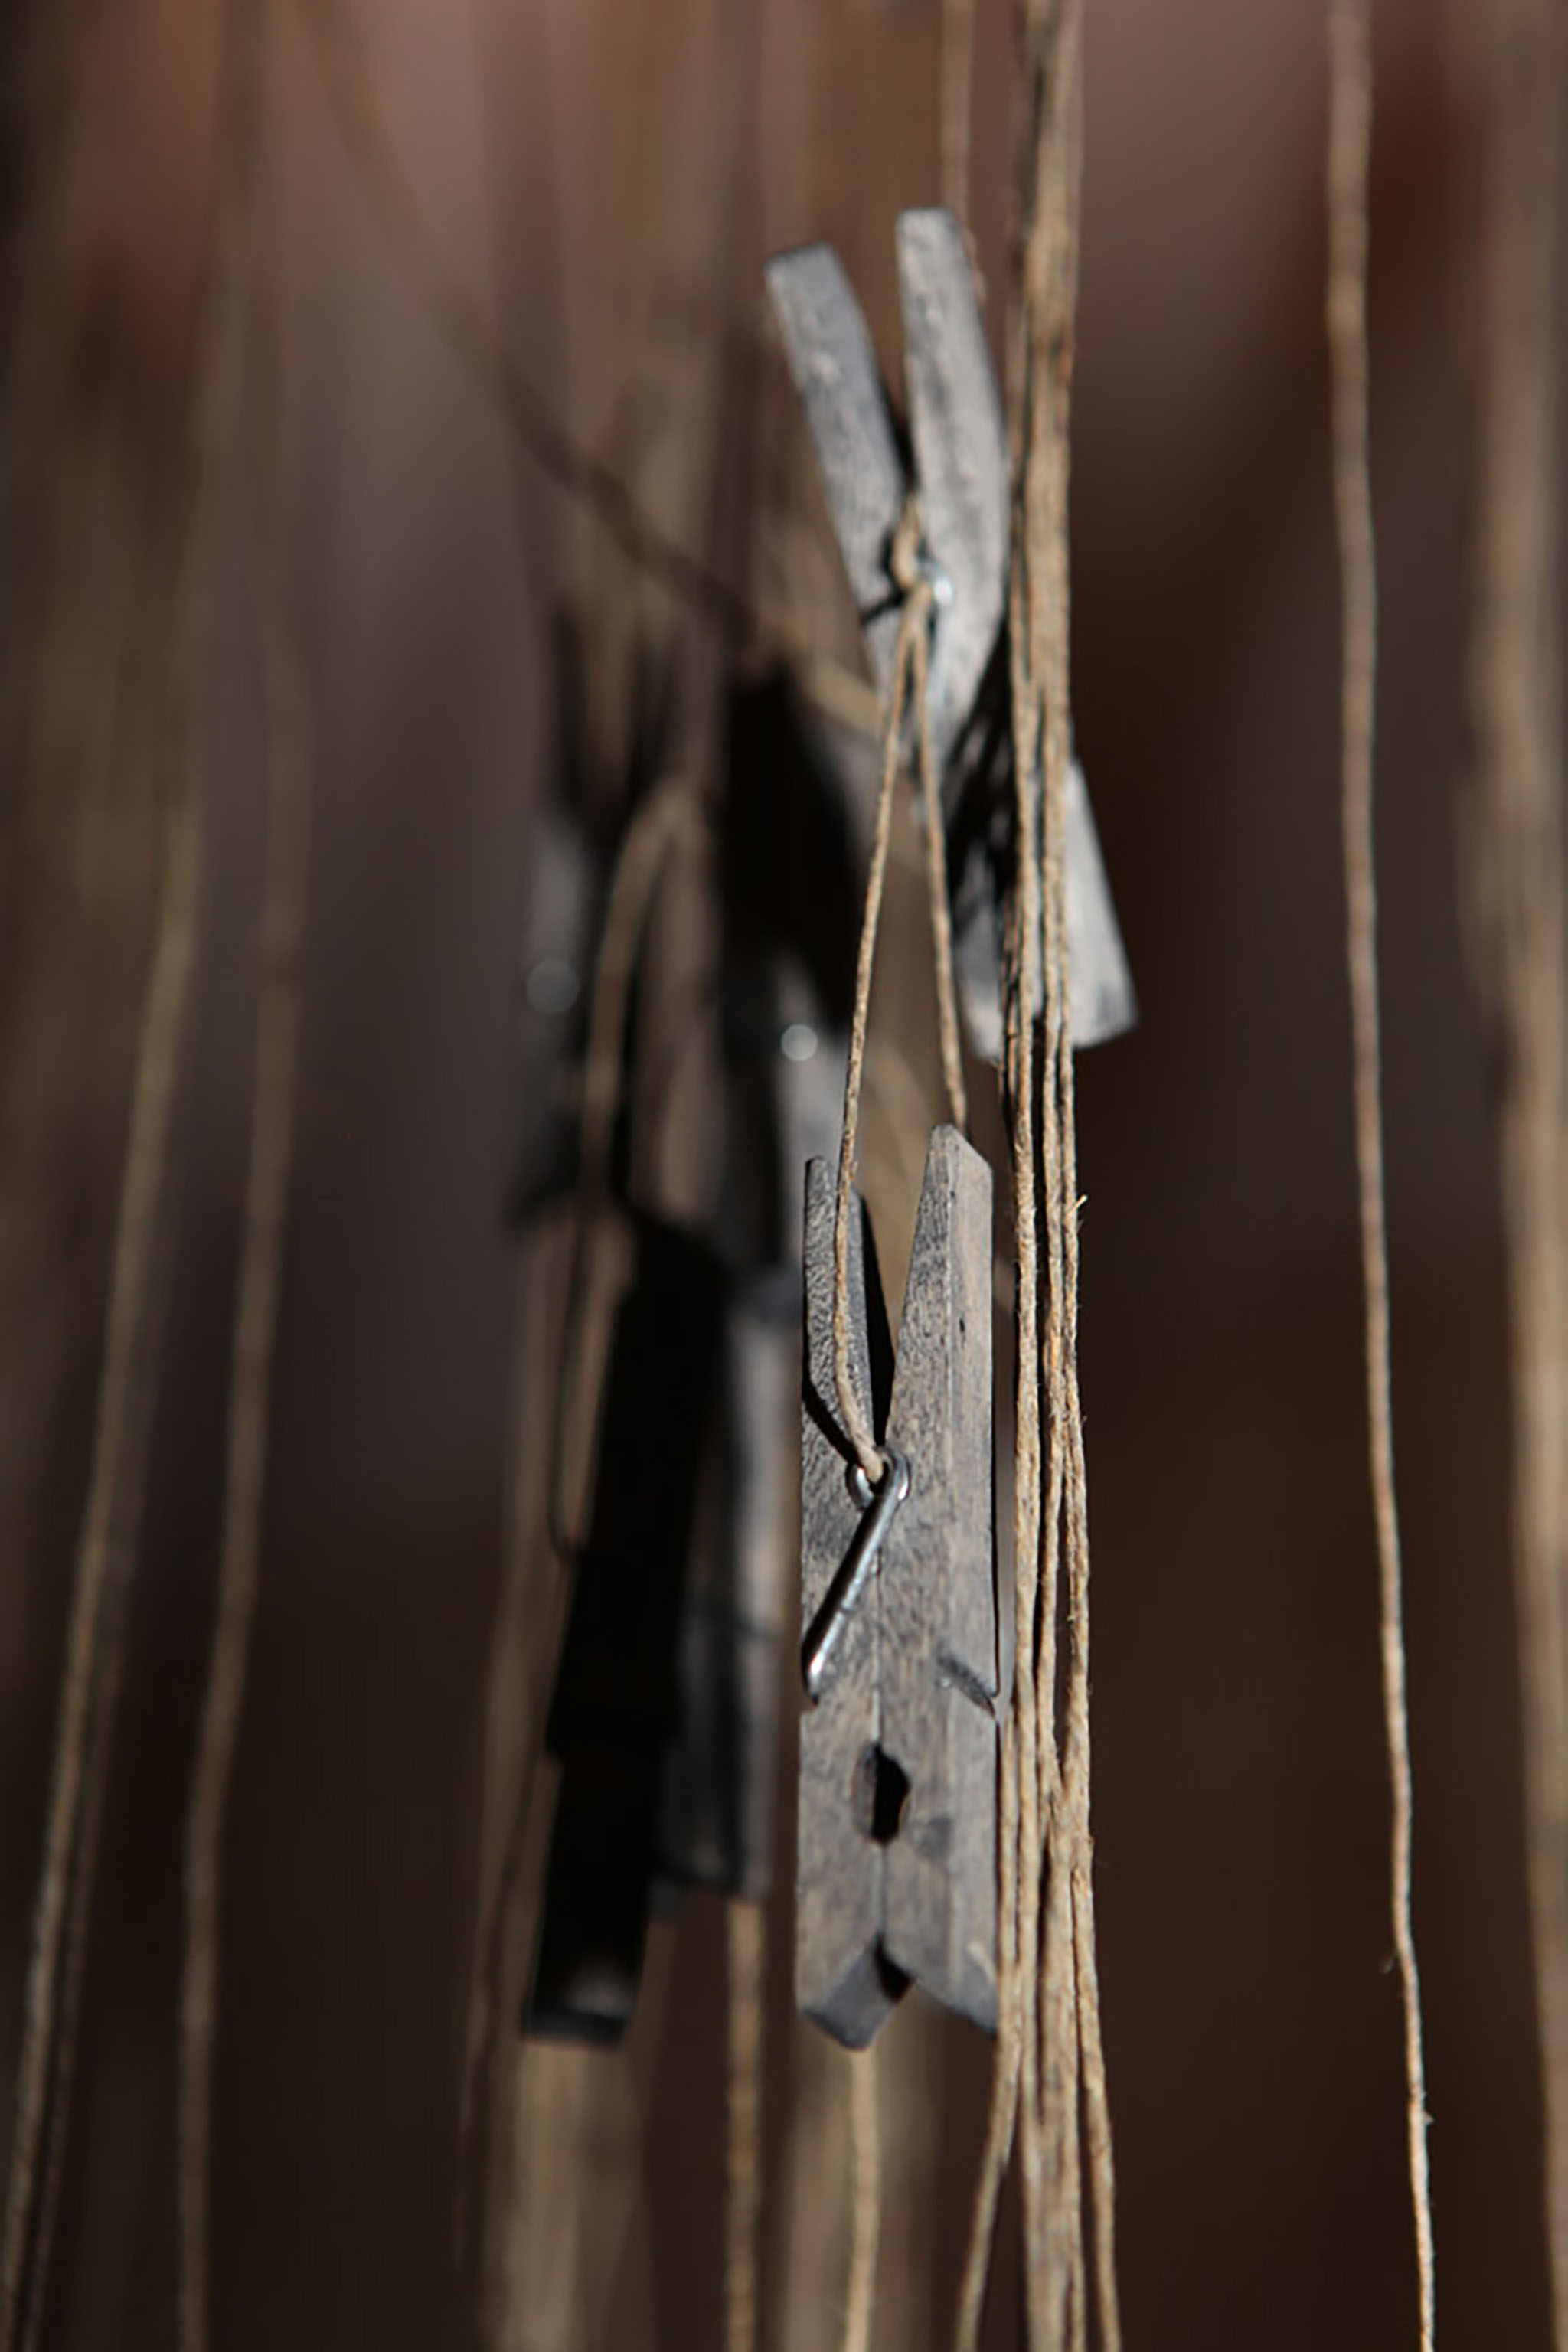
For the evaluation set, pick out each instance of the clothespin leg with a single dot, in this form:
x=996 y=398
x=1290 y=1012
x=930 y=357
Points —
x=938 y=1601
x=842 y=1978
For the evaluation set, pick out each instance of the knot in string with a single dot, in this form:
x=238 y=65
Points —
x=906 y=561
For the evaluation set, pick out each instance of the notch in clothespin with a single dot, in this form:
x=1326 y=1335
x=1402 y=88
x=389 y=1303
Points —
x=897 y=1870
x=961 y=480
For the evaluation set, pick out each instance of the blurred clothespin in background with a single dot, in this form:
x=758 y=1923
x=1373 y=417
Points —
x=664 y=1720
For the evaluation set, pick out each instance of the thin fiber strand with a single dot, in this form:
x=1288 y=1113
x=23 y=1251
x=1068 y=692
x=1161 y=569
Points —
x=746 y=1988
x=1048 y=2091
x=1350 y=142
x=106 y=1550
x=865 y=2201
x=910 y=683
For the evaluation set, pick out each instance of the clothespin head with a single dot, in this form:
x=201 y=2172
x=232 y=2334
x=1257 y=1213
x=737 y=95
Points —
x=960 y=448
x=961 y=485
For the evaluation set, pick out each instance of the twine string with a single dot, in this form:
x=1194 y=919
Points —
x=97 y=1629
x=1049 y=2097
x=911 y=682
x=1349 y=150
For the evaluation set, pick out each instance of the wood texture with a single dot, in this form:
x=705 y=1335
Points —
x=841 y=1979
x=938 y=1601
x=898 y=1788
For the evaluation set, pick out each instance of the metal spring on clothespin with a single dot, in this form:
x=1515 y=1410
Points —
x=962 y=476
x=879 y=1503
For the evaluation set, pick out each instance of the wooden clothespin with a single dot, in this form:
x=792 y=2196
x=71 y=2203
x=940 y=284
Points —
x=640 y=1391
x=665 y=1715
x=898 y=1740
x=961 y=483
x=788 y=895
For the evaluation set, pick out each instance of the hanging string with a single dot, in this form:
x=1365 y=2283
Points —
x=853 y=1414
x=1350 y=141
x=105 y=1556
x=910 y=678
x=1014 y=2078
x=1049 y=2091
x=1002 y=2118
x=865 y=2201
x=746 y=1949
x=1511 y=868
x=935 y=833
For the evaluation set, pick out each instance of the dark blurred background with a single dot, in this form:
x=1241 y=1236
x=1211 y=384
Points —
x=609 y=176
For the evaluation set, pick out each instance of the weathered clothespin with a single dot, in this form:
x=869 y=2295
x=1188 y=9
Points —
x=786 y=855
x=899 y=1740
x=961 y=484
x=639 y=1388
x=664 y=1720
